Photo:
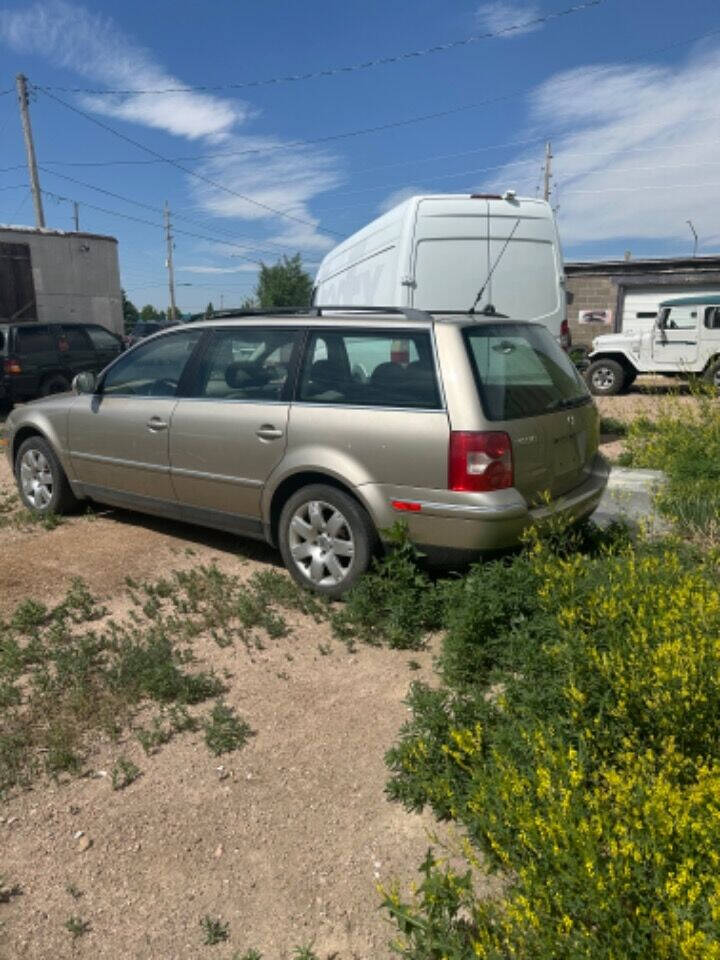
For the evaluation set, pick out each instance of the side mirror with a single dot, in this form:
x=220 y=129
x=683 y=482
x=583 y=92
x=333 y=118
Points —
x=84 y=383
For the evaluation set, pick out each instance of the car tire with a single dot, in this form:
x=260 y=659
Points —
x=41 y=480
x=54 y=383
x=605 y=378
x=712 y=375
x=326 y=539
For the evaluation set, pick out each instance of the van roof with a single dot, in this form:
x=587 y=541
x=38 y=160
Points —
x=710 y=300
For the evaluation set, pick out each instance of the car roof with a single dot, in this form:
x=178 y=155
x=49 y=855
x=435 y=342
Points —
x=710 y=300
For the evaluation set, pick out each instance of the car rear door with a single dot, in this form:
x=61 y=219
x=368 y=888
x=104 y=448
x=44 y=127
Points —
x=77 y=353
x=230 y=432
x=118 y=437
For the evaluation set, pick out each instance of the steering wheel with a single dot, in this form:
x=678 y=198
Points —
x=163 y=388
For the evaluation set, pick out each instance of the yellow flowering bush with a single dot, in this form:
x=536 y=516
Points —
x=584 y=764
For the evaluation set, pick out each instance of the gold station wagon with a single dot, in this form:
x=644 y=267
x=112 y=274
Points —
x=316 y=431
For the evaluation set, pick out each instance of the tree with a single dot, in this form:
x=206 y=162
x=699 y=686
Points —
x=209 y=311
x=284 y=285
x=131 y=314
x=149 y=313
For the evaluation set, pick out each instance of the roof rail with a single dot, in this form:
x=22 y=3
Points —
x=409 y=313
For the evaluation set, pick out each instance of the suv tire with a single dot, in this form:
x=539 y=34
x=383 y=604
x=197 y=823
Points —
x=606 y=378
x=712 y=375
x=326 y=539
x=54 y=383
x=41 y=480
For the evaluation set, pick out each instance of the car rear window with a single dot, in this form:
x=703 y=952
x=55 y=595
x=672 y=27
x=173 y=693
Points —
x=102 y=339
x=521 y=371
x=32 y=339
x=384 y=368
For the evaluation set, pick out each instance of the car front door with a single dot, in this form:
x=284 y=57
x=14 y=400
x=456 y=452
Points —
x=675 y=338
x=119 y=435
x=227 y=436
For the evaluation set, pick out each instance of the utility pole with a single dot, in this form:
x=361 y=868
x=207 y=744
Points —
x=76 y=215
x=21 y=84
x=547 y=177
x=169 y=261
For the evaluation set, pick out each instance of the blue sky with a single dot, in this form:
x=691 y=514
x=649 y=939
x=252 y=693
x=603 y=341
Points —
x=632 y=109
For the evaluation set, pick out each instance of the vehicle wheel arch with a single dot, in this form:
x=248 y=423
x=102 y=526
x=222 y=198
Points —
x=23 y=434
x=621 y=358
x=296 y=481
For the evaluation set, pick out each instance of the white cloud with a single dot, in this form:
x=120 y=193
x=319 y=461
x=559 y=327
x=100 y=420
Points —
x=500 y=15
x=199 y=268
x=94 y=47
x=636 y=149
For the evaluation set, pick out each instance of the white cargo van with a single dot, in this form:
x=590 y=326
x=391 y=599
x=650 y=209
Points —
x=438 y=253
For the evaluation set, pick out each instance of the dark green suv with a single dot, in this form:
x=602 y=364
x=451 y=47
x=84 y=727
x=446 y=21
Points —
x=37 y=359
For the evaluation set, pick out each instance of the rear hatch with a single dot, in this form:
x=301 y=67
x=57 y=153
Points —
x=529 y=389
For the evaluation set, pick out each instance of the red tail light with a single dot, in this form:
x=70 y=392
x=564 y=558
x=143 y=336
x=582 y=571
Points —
x=565 y=338
x=479 y=462
x=11 y=366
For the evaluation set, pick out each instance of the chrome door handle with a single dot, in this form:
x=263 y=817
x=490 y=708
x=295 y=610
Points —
x=268 y=432
x=155 y=423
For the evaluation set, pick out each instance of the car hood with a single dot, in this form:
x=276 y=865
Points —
x=617 y=341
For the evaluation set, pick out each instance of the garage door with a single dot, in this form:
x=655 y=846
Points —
x=641 y=303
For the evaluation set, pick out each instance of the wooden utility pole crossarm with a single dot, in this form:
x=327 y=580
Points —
x=21 y=84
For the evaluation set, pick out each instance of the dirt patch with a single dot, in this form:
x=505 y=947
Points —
x=285 y=843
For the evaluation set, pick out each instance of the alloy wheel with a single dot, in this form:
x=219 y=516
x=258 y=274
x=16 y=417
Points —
x=36 y=479
x=603 y=378
x=321 y=543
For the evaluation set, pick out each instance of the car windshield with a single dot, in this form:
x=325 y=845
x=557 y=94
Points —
x=521 y=371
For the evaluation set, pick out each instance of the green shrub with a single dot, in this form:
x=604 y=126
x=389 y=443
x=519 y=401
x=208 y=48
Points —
x=582 y=758
x=395 y=603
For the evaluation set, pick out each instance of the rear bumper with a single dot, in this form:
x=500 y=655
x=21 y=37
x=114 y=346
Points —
x=465 y=523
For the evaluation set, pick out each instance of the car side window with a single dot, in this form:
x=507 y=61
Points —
x=102 y=339
x=712 y=318
x=153 y=369
x=374 y=369
x=74 y=338
x=246 y=363
x=677 y=318
x=35 y=339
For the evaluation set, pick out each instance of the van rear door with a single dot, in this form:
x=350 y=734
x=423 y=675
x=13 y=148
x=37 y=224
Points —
x=458 y=240
x=530 y=390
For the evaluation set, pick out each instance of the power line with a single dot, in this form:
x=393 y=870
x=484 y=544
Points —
x=253 y=245
x=185 y=170
x=150 y=223
x=350 y=68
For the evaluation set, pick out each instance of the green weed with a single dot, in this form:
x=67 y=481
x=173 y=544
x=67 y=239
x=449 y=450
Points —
x=124 y=773
x=225 y=731
x=77 y=926
x=214 y=930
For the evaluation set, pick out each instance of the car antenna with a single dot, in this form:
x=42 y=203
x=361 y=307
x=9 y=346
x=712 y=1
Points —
x=489 y=310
